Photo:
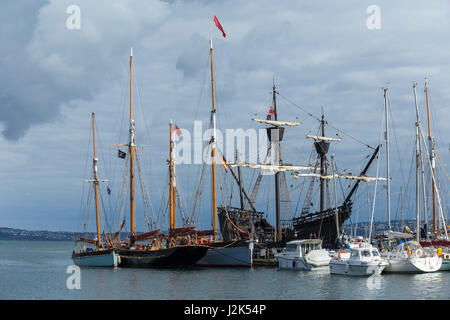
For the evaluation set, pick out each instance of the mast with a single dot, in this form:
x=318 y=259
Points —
x=278 y=235
x=213 y=151
x=172 y=189
x=323 y=169
x=96 y=184
x=424 y=193
x=417 y=167
x=241 y=196
x=131 y=146
x=335 y=198
x=355 y=187
x=432 y=157
x=388 y=183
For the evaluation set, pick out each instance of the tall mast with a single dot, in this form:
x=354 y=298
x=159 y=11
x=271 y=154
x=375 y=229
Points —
x=417 y=167
x=213 y=151
x=424 y=193
x=432 y=157
x=388 y=184
x=131 y=146
x=172 y=183
x=170 y=180
x=96 y=184
x=322 y=168
x=278 y=232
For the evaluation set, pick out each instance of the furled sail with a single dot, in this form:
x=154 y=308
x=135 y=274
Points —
x=320 y=138
x=345 y=176
x=270 y=167
x=278 y=123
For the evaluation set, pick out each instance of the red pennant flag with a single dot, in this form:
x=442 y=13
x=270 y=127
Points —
x=216 y=21
x=271 y=111
x=177 y=130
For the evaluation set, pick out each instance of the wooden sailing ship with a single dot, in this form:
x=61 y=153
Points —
x=223 y=251
x=173 y=249
x=101 y=255
x=324 y=224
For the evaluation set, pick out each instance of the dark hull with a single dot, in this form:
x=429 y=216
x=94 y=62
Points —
x=320 y=225
x=237 y=253
x=175 y=257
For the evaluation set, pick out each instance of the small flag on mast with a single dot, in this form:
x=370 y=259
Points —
x=177 y=130
x=216 y=21
x=270 y=113
x=122 y=154
x=224 y=164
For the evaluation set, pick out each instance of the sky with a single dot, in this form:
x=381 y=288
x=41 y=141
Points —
x=322 y=56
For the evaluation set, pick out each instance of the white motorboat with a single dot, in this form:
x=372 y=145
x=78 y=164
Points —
x=363 y=261
x=344 y=252
x=445 y=261
x=409 y=257
x=303 y=255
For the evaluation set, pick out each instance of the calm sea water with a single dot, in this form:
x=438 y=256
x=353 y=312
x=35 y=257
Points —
x=37 y=270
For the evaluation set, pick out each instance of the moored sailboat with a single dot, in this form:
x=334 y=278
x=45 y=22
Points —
x=234 y=251
x=174 y=249
x=99 y=256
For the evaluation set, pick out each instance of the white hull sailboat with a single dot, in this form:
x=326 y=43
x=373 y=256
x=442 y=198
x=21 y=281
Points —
x=100 y=256
x=409 y=257
x=106 y=258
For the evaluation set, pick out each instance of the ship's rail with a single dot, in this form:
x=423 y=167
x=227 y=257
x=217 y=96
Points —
x=311 y=217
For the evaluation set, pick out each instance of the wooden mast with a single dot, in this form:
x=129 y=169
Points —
x=278 y=232
x=172 y=183
x=213 y=151
x=131 y=150
x=430 y=140
x=96 y=184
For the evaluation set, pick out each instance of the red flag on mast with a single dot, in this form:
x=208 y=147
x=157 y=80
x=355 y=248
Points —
x=216 y=21
x=177 y=130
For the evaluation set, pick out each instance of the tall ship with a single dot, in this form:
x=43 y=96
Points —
x=224 y=251
x=325 y=224
x=173 y=248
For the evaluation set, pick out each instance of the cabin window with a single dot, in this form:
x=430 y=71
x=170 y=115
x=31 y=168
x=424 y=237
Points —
x=291 y=247
x=375 y=253
x=365 y=253
x=355 y=253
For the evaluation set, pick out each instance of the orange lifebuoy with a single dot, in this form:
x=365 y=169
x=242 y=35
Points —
x=342 y=251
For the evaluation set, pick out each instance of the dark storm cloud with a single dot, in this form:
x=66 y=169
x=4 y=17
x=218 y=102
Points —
x=45 y=64
x=320 y=54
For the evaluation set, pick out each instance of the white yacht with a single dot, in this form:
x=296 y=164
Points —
x=409 y=257
x=363 y=261
x=303 y=255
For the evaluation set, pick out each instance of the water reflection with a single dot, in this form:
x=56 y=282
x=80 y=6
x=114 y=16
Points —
x=25 y=279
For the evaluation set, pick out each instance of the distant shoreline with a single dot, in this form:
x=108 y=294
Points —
x=43 y=235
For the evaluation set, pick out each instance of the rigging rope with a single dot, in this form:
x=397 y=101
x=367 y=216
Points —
x=314 y=117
